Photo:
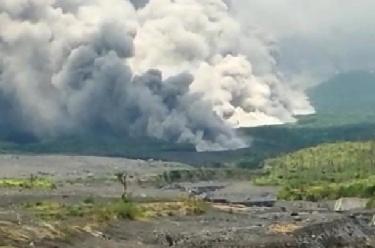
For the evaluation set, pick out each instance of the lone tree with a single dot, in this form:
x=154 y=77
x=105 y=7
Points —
x=122 y=178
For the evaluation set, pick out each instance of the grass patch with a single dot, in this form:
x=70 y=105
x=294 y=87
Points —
x=54 y=220
x=95 y=211
x=117 y=210
x=196 y=206
x=49 y=210
x=28 y=183
x=364 y=188
x=182 y=207
x=371 y=203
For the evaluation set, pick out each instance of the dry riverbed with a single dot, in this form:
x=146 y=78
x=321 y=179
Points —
x=72 y=201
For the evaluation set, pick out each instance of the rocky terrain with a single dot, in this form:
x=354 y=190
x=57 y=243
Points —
x=181 y=206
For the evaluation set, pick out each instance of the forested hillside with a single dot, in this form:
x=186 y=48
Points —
x=348 y=92
x=346 y=99
x=328 y=171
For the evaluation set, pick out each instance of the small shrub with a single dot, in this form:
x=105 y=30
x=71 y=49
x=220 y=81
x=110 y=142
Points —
x=126 y=210
x=371 y=203
x=195 y=206
x=117 y=210
x=89 y=200
x=75 y=211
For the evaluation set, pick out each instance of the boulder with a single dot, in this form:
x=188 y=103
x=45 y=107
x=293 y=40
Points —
x=348 y=204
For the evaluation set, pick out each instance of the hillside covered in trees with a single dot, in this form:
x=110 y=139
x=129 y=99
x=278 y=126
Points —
x=346 y=99
x=328 y=171
x=347 y=92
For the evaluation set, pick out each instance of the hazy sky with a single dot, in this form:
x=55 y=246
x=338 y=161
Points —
x=316 y=36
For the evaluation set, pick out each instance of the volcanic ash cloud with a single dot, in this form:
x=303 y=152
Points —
x=183 y=71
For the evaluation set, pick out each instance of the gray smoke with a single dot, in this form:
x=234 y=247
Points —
x=52 y=83
x=139 y=3
x=185 y=71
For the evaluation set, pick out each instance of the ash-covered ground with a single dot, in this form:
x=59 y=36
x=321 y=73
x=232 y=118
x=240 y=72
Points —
x=236 y=213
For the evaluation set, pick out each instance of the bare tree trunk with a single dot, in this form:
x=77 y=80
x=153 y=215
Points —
x=122 y=177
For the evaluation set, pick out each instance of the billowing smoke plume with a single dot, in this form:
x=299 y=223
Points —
x=234 y=67
x=179 y=70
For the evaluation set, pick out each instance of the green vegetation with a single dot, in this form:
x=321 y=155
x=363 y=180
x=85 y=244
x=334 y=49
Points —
x=337 y=119
x=273 y=141
x=89 y=144
x=371 y=203
x=202 y=174
x=28 y=183
x=266 y=142
x=50 y=210
x=104 y=211
x=345 y=112
x=62 y=221
x=195 y=206
x=346 y=99
x=328 y=171
x=347 y=93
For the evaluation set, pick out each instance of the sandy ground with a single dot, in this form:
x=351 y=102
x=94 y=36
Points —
x=68 y=167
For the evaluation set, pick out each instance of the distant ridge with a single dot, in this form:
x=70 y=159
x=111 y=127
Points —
x=345 y=93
